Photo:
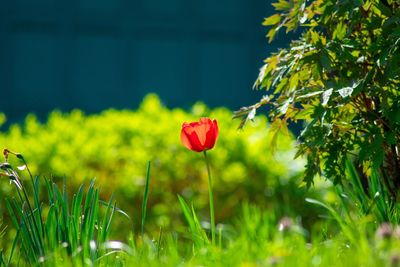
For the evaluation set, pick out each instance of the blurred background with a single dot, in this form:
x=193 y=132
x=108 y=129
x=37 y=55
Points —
x=96 y=54
x=93 y=55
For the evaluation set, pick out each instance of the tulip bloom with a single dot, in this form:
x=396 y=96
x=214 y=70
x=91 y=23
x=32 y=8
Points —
x=199 y=136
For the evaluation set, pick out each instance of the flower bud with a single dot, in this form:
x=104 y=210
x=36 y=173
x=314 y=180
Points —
x=384 y=231
x=285 y=224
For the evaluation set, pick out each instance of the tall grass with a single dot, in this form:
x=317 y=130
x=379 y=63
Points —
x=79 y=228
x=367 y=194
x=55 y=229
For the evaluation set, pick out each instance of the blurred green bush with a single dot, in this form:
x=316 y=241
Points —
x=115 y=146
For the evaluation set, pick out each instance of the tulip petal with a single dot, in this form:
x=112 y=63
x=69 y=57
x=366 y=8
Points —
x=215 y=124
x=190 y=138
x=212 y=135
x=201 y=129
x=205 y=121
x=210 y=139
x=185 y=140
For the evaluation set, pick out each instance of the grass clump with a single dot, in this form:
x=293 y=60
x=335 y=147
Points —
x=50 y=225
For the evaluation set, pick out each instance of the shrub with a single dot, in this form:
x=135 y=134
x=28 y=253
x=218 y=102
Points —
x=342 y=78
x=115 y=146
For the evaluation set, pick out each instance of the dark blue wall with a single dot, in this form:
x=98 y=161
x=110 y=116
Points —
x=95 y=54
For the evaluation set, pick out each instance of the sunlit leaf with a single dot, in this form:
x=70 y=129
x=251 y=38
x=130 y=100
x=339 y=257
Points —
x=326 y=95
x=272 y=20
x=346 y=91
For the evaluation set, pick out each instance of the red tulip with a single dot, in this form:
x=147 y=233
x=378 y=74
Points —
x=199 y=136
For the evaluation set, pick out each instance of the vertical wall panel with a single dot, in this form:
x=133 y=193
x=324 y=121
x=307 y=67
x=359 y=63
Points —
x=102 y=9
x=163 y=69
x=162 y=8
x=38 y=9
x=221 y=64
x=98 y=72
x=36 y=72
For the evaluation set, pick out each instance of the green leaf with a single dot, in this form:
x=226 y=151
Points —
x=272 y=20
x=340 y=31
x=199 y=237
x=384 y=9
x=391 y=138
x=271 y=34
x=282 y=5
x=187 y=213
x=325 y=61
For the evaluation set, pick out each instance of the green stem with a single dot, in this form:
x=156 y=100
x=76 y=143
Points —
x=210 y=194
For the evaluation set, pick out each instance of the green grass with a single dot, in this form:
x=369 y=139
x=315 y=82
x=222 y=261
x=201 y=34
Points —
x=53 y=228
x=145 y=198
x=254 y=240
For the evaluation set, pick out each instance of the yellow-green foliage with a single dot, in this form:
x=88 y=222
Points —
x=115 y=146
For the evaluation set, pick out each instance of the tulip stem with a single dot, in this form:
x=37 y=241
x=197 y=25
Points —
x=210 y=194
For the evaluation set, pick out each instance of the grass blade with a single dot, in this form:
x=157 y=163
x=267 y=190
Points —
x=16 y=239
x=105 y=203
x=103 y=233
x=2 y=261
x=145 y=198
x=346 y=230
x=200 y=233
x=187 y=213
